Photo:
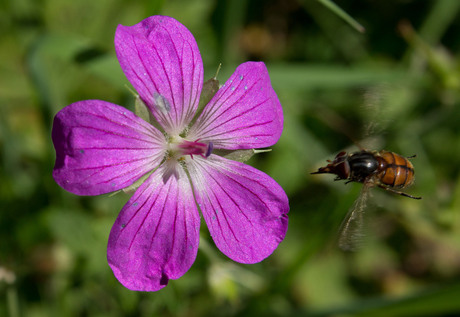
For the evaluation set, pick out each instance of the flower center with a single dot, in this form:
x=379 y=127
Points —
x=179 y=147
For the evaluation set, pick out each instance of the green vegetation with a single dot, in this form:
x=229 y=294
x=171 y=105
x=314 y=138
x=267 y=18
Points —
x=395 y=87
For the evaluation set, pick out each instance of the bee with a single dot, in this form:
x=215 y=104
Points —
x=383 y=169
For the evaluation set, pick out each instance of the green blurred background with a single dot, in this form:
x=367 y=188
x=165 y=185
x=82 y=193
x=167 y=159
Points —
x=395 y=87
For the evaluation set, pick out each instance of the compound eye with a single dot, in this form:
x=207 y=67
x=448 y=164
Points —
x=343 y=170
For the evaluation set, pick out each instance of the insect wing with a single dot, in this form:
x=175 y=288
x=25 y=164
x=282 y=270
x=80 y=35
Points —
x=351 y=230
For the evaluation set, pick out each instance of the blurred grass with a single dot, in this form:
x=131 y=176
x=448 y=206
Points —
x=399 y=82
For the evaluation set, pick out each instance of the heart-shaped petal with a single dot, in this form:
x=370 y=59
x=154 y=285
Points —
x=155 y=237
x=102 y=147
x=160 y=58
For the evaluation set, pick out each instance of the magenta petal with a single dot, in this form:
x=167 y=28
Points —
x=102 y=147
x=245 y=113
x=161 y=59
x=245 y=209
x=155 y=237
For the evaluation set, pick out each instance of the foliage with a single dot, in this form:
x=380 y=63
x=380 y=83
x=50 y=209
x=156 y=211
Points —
x=396 y=86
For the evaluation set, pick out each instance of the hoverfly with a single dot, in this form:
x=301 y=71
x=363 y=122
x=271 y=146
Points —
x=384 y=169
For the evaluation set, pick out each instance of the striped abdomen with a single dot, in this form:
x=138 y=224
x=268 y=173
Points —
x=395 y=170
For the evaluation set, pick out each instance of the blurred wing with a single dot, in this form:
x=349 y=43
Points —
x=351 y=230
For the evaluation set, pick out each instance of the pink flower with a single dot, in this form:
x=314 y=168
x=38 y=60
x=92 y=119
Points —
x=102 y=147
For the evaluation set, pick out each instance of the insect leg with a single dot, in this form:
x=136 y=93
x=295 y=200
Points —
x=398 y=192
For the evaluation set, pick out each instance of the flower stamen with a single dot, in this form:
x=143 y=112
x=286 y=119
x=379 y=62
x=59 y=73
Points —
x=195 y=148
